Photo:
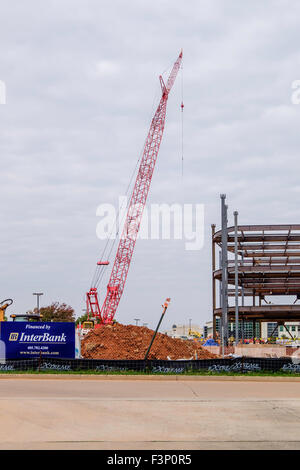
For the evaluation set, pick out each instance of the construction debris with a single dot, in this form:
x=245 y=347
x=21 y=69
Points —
x=131 y=342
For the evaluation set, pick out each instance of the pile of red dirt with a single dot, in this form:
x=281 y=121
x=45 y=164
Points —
x=131 y=342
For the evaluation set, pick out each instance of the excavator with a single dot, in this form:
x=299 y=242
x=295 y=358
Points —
x=3 y=306
x=19 y=316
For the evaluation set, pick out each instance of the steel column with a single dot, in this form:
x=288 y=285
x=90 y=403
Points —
x=213 y=256
x=224 y=270
x=236 y=277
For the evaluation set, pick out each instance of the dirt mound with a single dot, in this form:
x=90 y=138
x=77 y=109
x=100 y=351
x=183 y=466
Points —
x=131 y=342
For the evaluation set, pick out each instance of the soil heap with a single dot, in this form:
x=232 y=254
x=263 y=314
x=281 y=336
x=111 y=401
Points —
x=131 y=342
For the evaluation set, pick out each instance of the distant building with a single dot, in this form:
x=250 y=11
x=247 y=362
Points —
x=245 y=330
x=208 y=328
x=268 y=329
x=184 y=331
x=293 y=329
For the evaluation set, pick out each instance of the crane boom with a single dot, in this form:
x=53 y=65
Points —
x=136 y=206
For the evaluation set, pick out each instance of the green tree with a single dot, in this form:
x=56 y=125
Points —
x=85 y=318
x=56 y=312
x=81 y=319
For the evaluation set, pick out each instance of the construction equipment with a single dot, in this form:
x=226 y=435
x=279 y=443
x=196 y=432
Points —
x=86 y=326
x=165 y=306
x=26 y=317
x=195 y=333
x=3 y=306
x=136 y=206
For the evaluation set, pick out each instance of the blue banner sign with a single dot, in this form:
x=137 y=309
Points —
x=25 y=340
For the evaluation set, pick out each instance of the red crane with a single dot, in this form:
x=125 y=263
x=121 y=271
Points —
x=136 y=206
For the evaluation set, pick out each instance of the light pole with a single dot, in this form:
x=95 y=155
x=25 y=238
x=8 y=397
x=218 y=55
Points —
x=137 y=321
x=38 y=294
x=190 y=325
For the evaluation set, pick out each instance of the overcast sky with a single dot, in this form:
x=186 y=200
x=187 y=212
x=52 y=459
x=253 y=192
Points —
x=82 y=81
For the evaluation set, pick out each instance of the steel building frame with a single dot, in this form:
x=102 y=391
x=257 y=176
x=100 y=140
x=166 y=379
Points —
x=268 y=264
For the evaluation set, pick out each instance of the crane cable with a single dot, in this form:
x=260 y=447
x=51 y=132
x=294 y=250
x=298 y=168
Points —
x=182 y=106
x=100 y=270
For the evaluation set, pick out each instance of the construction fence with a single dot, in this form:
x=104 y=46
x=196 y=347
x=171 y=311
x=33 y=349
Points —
x=240 y=364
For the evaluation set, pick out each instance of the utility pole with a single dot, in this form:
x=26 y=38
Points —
x=38 y=294
x=190 y=325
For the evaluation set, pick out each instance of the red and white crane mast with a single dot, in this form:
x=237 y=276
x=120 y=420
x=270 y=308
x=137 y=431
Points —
x=136 y=206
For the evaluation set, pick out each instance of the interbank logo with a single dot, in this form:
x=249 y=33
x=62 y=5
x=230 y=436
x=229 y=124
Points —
x=44 y=338
x=13 y=337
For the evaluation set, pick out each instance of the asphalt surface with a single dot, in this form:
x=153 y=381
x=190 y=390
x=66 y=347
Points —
x=145 y=414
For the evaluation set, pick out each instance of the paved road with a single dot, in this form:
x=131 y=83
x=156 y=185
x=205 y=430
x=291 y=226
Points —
x=140 y=414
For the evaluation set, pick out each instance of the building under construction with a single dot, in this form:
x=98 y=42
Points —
x=257 y=278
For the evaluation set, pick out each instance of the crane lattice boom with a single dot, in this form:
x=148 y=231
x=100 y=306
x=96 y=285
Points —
x=136 y=206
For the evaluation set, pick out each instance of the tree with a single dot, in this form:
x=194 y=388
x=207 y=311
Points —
x=81 y=319
x=56 y=312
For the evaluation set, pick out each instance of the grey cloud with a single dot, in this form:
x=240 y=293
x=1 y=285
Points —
x=81 y=81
